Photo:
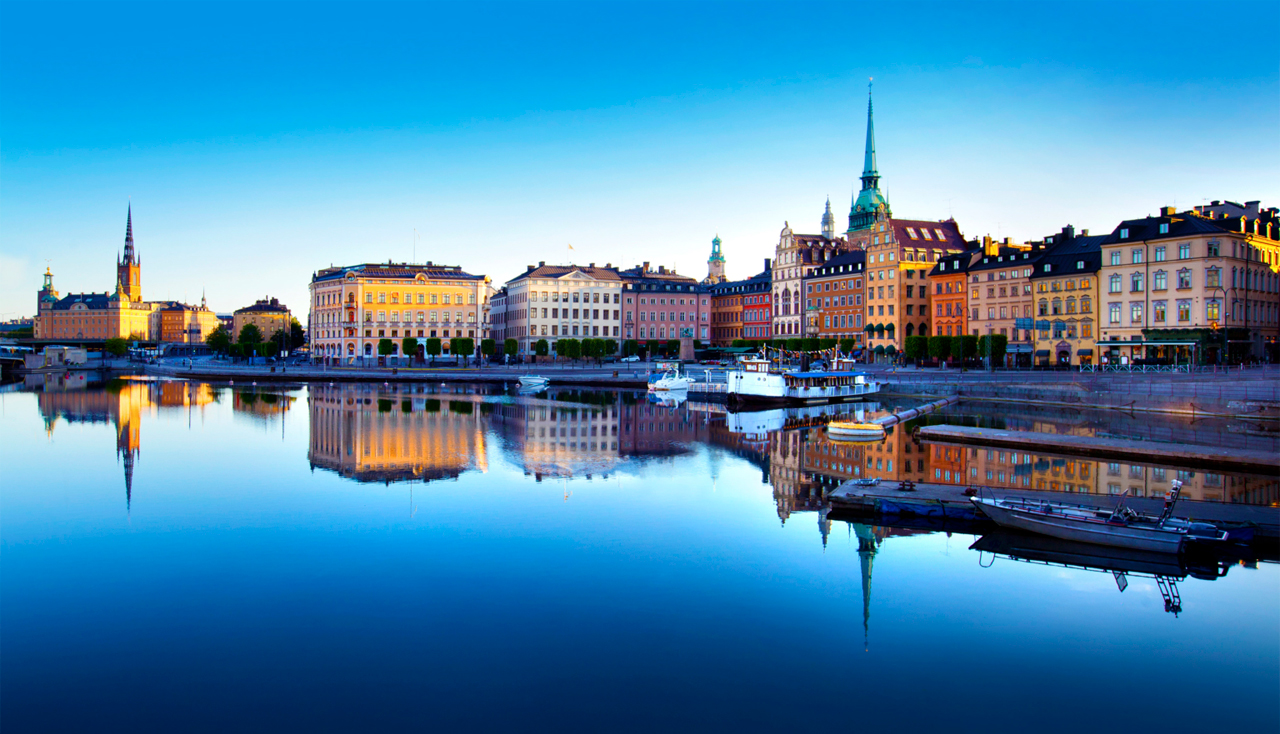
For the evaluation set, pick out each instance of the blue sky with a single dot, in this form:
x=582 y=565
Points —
x=261 y=142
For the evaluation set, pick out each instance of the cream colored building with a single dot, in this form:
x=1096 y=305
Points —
x=556 y=301
x=354 y=307
x=1178 y=286
x=184 y=324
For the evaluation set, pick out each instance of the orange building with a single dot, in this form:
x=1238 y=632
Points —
x=948 y=281
x=833 y=298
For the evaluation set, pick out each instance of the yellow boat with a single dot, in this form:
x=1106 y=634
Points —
x=851 y=430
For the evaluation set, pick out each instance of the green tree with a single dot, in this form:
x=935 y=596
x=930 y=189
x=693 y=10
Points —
x=673 y=348
x=250 y=334
x=630 y=347
x=488 y=347
x=738 y=343
x=219 y=340
x=917 y=347
x=846 y=345
x=569 y=348
x=510 y=347
x=386 y=347
x=794 y=344
x=267 y=349
x=462 y=346
x=811 y=344
x=997 y=344
x=541 y=348
x=651 y=348
x=279 y=339
x=434 y=346
x=964 y=346
x=610 y=347
x=939 y=347
x=409 y=347
x=297 y=335
x=118 y=347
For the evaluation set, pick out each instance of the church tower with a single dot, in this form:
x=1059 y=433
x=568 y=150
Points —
x=715 y=263
x=829 y=222
x=869 y=206
x=129 y=267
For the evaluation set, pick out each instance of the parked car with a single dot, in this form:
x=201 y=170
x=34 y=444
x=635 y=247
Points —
x=632 y=358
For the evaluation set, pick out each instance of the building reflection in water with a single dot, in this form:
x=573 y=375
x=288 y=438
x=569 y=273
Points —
x=394 y=434
x=122 y=403
x=386 y=433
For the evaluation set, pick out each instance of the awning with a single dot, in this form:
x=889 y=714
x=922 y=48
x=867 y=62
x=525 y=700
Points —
x=1084 y=352
x=1018 y=349
x=879 y=349
x=890 y=350
x=1042 y=352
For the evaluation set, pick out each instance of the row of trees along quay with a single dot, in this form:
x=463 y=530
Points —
x=251 y=342
x=959 y=349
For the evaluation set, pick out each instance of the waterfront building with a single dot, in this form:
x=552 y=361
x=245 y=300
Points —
x=268 y=314
x=741 y=309
x=795 y=258
x=355 y=306
x=715 y=264
x=100 y=316
x=185 y=324
x=557 y=301
x=498 y=317
x=949 y=283
x=833 y=298
x=1000 y=294
x=546 y=438
x=1065 y=281
x=1179 y=286
x=660 y=304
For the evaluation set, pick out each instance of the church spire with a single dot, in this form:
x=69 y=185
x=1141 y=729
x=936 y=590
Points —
x=870 y=176
x=829 y=222
x=128 y=239
x=869 y=206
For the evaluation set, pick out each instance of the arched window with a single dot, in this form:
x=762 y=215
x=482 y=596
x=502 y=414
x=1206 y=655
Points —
x=1086 y=304
x=1057 y=306
x=1071 y=305
x=911 y=329
x=1043 y=308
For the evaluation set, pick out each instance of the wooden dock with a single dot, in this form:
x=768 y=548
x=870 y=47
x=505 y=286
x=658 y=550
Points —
x=1190 y=456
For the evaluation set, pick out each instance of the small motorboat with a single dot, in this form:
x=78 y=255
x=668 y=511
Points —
x=533 y=381
x=669 y=381
x=1121 y=527
x=854 y=431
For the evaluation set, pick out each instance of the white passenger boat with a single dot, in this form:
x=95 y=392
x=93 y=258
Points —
x=855 y=431
x=1121 y=527
x=533 y=381
x=756 y=380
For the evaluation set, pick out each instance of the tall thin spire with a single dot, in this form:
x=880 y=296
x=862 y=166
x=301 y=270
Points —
x=128 y=238
x=870 y=176
x=869 y=205
x=828 y=222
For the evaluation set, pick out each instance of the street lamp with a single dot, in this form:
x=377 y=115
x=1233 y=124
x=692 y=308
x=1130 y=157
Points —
x=1213 y=323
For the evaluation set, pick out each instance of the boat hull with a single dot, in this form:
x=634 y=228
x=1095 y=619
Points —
x=1118 y=536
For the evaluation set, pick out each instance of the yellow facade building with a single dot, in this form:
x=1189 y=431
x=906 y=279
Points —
x=354 y=307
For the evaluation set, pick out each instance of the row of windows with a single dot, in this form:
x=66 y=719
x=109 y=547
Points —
x=586 y=331
x=577 y=297
x=1086 y=306
x=587 y=313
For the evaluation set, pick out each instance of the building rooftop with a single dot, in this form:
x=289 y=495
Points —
x=543 y=270
x=395 y=270
x=265 y=306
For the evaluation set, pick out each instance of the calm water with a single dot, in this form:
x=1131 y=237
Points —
x=189 y=557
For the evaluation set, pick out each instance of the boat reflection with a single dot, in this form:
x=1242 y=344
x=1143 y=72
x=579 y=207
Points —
x=1165 y=568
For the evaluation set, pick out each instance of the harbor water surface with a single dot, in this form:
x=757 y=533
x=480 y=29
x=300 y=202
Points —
x=190 y=557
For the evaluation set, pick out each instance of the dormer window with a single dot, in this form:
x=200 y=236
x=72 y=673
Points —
x=911 y=232
x=1124 y=233
x=1079 y=264
x=1048 y=267
x=925 y=232
x=1164 y=228
x=941 y=236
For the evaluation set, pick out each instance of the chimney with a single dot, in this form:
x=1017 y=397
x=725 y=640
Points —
x=1069 y=232
x=645 y=267
x=542 y=263
x=1084 y=233
x=1168 y=211
x=662 y=270
x=768 y=264
x=591 y=265
x=530 y=268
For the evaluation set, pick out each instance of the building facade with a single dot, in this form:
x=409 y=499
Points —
x=949 y=283
x=353 y=307
x=795 y=259
x=181 y=323
x=268 y=314
x=742 y=309
x=1000 y=294
x=1190 y=285
x=660 y=304
x=715 y=264
x=558 y=301
x=833 y=298
x=1065 y=283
